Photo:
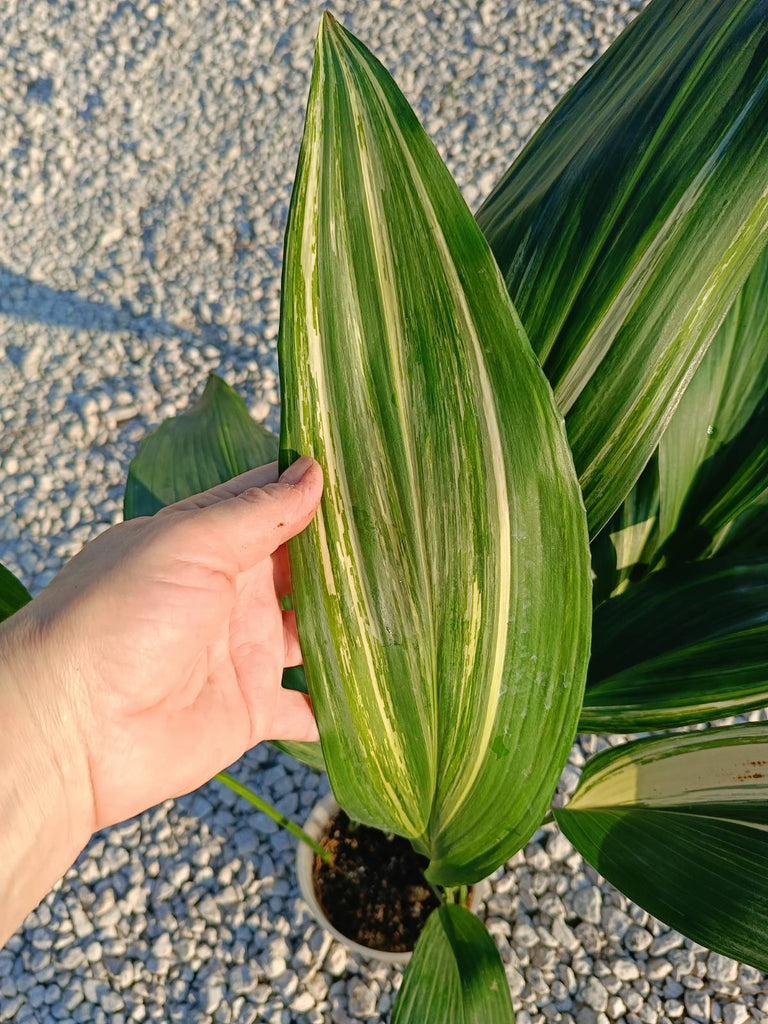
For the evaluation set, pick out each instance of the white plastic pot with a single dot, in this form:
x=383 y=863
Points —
x=315 y=826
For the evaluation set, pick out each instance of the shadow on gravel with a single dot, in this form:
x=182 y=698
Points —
x=37 y=303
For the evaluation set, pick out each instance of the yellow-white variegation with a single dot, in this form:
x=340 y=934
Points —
x=442 y=591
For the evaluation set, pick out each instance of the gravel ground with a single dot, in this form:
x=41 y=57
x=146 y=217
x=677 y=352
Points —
x=147 y=153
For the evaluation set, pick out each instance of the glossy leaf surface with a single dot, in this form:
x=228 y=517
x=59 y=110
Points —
x=713 y=457
x=629 y=223
x=455 y=974
x=213 y=441
x=680 y=825
x=442 y=591
x=13 y=593
x=686 y=645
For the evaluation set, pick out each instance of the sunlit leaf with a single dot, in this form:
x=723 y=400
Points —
x=624 y=548
x=713 y=457
x=213 y=441
x=629 y=223
x=680 y=825
x=455 y=975
x=442 y=591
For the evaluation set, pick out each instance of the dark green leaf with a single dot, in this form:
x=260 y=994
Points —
x=623 y=550
x=680 y=825
x=748 y=533
x=629 y=223
x=713 y=457
x=13 y=593
x=686 y=645
x=208 y=445
x=455 y=975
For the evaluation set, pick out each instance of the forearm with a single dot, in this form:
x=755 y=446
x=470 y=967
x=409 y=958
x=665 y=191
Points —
x=44 y=819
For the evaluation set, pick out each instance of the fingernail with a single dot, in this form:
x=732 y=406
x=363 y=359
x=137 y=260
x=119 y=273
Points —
x=296 y=470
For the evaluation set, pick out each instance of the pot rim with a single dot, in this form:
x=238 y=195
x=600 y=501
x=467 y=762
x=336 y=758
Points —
x=323 y=811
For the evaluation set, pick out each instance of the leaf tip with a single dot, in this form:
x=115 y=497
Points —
x=328 y=24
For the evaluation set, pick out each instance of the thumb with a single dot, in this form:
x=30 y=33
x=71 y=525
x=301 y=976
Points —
x=234 y=534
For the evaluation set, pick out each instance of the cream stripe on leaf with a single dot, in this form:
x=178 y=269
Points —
x=628 y=224
x=442 y=591
x=713 y=457
x=680 y=825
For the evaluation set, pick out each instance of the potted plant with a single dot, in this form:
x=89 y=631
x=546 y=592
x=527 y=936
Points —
x=471 y=545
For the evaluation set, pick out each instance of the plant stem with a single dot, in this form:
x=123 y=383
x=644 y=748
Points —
x=275 y=815
x=436 y=890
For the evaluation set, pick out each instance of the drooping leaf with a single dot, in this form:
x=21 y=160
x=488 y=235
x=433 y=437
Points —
x=213 y=441
x=629 y=223
x=713 y=457
x=13 y=593
x=442 y=590
x=688 y=644
x=455 y=975
x=680 y=825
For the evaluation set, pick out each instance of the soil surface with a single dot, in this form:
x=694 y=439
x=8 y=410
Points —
x=374 y=891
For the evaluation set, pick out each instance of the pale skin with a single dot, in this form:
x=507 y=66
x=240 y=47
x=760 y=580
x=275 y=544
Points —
x=151 y=662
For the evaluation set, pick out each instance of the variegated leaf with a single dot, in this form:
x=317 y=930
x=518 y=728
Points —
x=442 y=591
x=629 y=223
x=713 y=457
x=680 y=825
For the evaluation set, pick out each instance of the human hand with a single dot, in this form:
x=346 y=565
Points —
x=156 y=655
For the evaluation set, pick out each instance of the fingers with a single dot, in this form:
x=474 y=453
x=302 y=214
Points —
x=281 y=571
x=233 y=533
x=259 y=477
x=292 y=718
x=291 y=638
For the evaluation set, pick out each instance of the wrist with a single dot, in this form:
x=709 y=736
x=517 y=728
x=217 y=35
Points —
x=46 y=804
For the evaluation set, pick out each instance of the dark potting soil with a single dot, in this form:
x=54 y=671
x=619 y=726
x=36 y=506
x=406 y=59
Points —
x=374 y=891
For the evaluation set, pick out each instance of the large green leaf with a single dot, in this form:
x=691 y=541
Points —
x=455 y=975
x=629 y=223
x=442 y=590
x=13 y=593
x=686 y=645
x=680 y=824
x=213 y=441
x=713 y=457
